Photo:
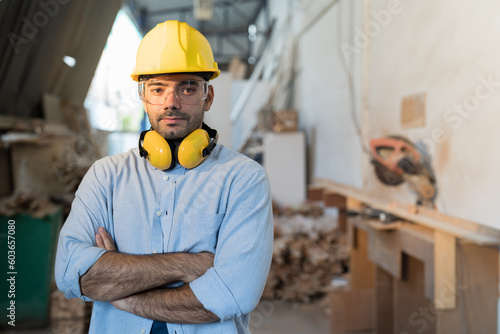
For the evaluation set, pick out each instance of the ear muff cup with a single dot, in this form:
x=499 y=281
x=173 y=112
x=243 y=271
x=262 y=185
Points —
x=164 y=154
x=190 y=152
x=159 y=152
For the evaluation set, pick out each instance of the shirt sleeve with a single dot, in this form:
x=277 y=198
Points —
x=234 y=285
x=76 y=250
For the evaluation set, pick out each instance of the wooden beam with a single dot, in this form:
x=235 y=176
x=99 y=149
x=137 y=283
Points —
x=384 y=302
x=380 y=226
x=476 y=291
x=386 y=248
x=361 y=268
x=352 y=310
x=315 y=193
x=461 y=228
x=444 y=271
x=334 y=199
x=413 y=311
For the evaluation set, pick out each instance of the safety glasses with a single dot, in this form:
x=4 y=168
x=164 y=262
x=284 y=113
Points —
x=188 y=92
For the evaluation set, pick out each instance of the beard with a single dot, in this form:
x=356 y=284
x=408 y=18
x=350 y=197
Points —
x=189 y=123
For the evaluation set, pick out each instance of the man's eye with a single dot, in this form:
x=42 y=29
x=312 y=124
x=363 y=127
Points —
x=157 y=90
x=188 y=90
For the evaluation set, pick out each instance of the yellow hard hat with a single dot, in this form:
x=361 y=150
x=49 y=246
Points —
x=174 y=47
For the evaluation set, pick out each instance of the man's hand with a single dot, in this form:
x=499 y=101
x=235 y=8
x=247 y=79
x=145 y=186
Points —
x=103 y=240
x=123 y=304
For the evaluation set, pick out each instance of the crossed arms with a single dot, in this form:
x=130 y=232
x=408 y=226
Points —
x=91 y=268
x=129 y=282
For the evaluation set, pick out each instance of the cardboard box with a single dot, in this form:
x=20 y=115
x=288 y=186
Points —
x=285 y=121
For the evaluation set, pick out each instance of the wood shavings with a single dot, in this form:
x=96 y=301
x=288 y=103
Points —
x=69 y=316
x=308 y=252
x=23 y=201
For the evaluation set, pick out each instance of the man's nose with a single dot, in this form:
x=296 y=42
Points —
x=172 y=101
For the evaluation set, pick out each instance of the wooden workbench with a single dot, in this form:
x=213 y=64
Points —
x=428 y=273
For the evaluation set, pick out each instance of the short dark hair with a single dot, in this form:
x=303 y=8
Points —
x=204 y=75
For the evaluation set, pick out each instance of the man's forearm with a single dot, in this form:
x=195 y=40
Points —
x=177 y=305
x=117 y=275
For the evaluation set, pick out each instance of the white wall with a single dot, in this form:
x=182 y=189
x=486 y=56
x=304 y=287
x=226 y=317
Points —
x=323 y=93
x=258 y=98
x=447 y=49
x=218 y=115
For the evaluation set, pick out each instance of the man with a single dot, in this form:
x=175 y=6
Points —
x=174 y=236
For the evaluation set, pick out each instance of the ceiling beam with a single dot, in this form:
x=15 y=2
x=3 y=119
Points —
x=189 y=8
x=236 y=45
x=224 y=31
x=262 y=4
x=170 y=11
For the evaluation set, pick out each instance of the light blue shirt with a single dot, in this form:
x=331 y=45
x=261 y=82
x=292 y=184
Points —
x=222 y=206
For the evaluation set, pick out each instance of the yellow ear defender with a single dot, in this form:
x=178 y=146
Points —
x=192 y=151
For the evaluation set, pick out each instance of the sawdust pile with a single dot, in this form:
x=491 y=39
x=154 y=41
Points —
x=308 y=252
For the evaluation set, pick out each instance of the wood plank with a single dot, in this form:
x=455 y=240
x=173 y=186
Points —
x=352 y=310
x=334 y=199
x=385 y=251
x=444 y=271
x=380 y=226
x=464 y=229
x=418 y=242
x=476 y=291
x=315 y=193
x=361 y=268
x=353 y=204
x=385 y=248
x=384 y=302
x=413 y=312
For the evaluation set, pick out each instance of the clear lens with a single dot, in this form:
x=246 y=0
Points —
x=188 y=92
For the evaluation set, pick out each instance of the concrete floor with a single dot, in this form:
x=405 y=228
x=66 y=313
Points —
x=274 y=317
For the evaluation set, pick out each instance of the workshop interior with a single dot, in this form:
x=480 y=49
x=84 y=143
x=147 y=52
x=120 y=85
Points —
x=375 y=121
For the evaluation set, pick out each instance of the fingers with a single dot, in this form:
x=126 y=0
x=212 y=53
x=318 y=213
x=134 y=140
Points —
x=104 y=240
x=98 y=241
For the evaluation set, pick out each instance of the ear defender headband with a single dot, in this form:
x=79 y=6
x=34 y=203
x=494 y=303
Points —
x=192 y=151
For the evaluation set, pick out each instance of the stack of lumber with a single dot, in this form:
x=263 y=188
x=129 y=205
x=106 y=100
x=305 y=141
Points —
x=308 y=252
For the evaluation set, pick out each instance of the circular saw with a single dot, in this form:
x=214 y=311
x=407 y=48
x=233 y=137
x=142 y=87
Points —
x=397 y=160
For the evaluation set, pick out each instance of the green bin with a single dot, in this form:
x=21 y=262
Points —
x=28 y=282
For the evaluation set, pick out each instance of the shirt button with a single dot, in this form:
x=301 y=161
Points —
x=158 y=213
x=155 y=252
x=143 y=331
x=165 y=177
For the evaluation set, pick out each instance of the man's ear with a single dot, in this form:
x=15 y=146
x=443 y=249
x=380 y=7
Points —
x=210 y=98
